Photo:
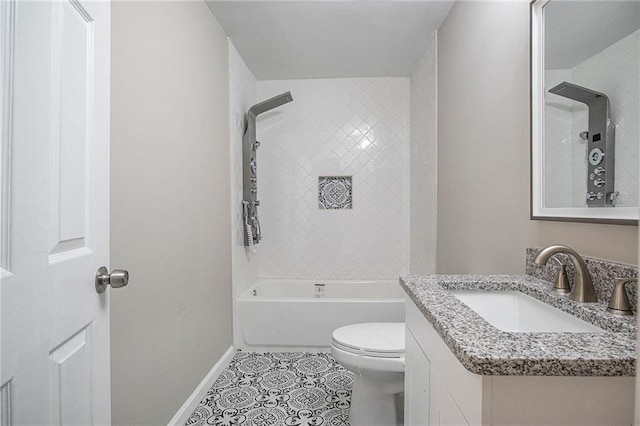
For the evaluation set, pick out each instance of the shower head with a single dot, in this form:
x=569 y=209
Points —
x=578 y=93
x=269 y=104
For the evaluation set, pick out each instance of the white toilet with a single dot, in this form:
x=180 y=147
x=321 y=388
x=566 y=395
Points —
x=374 y=352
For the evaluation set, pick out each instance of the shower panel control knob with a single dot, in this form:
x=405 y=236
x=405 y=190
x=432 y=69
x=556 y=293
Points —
x=599 y=171
x=598 y=182
x=595 y=156
x=591 y=196
x=256 y=145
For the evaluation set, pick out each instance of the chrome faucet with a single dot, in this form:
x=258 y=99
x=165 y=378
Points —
x=582 y=290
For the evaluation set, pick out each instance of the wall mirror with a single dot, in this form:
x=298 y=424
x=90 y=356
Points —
x=585 y=111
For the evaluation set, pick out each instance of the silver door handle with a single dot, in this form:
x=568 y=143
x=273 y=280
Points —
x=117 y=278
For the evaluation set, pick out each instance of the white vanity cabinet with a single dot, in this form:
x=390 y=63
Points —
x=436 y=384
x=440 y=391
x=443 y=408
x=429 y=402
x=416 y=384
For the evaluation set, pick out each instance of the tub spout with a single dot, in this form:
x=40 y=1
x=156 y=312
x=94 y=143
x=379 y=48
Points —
x=582 y=290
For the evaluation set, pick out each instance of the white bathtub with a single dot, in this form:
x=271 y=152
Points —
x=300 y=315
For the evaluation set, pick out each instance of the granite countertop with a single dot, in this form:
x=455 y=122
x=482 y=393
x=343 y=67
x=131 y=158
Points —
x=483 y=349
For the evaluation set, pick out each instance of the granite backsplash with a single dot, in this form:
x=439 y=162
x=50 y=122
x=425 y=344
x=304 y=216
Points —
x=602 y=273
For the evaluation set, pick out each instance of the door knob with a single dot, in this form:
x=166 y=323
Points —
x=117 y=278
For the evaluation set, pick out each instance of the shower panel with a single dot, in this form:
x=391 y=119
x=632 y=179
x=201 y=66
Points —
x=600 y=143
x=250 y=203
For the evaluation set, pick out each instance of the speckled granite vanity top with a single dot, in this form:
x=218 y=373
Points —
x=484 y=349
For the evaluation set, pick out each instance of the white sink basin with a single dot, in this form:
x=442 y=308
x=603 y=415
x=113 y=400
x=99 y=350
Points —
x=513 y=311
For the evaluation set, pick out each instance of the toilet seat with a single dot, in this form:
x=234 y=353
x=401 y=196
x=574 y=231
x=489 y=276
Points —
x=377 y=340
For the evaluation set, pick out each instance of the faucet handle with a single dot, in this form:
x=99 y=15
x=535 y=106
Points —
x=619 y=302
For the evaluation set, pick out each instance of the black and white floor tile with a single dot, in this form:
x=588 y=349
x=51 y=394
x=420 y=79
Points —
x=279 y=388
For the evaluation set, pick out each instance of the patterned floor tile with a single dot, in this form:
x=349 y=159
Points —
x=279 y=388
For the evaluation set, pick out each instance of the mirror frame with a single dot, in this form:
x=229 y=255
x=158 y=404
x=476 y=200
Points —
x=608 y=215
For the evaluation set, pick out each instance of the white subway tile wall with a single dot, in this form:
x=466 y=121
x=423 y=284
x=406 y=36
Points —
x=561 y=142
x=355 y=127
x=615 y=71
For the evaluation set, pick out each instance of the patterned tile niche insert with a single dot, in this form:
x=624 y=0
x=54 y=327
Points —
x=278 y=389
x=334 y=192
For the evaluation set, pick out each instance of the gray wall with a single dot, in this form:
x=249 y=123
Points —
x=618 y=243
x=422 y=198
x=170 y=199
x=483 y=138
x=483 y=221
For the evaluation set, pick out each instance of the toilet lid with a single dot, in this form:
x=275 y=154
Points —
x=378 y=339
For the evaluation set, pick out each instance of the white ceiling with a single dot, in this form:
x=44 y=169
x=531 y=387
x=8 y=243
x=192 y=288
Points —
x=327 y=39
x=577 y=30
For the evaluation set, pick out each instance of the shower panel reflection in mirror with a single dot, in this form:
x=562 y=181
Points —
x=595 y=45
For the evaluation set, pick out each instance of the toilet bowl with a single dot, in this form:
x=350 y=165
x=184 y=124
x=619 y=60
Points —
x=374 y=352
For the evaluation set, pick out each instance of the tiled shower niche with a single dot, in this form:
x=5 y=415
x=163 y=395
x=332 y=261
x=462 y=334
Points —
x=334 y=192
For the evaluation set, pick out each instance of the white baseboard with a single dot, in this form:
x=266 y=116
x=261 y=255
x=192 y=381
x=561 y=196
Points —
x=192 y=402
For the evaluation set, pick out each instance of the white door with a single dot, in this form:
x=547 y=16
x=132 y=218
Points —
x=54 y=196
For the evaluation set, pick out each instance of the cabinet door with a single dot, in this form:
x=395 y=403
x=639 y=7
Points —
x=416 y=384
x=444 y=411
